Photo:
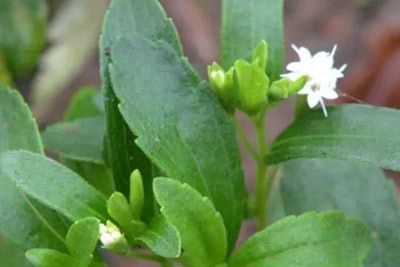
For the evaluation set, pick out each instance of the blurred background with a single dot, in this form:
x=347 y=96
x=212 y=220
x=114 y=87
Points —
x=48 y=49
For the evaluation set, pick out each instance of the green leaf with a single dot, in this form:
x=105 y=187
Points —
x=180 y=124
x=85 y=103
x=130 y=19
x=136 y=194
x=23 y=26
x=81 y=139
x=98 y=175
x=162 y=238
x=119 y=209
x=23 y=220
x=82 y=239
x=326 y=239
x=53 y=185
x=199 y=225
x=12 y=255
x=245 y=24
x=358 y=190
x=355 y=133
x=49 y=258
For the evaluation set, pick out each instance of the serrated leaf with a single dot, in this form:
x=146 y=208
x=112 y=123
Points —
x=80 y=140
x=49 y=258
x=22 y=220
x=53 y=185
x=82 y=239
x=200 y=226
x=180 y=124
x=130 y=19
x=12 y=255
x=245 y=24
x=86 y=102
x=162 y=238
x=358 y=190
x=23 y=27
x=356 y=133
x=326 y=239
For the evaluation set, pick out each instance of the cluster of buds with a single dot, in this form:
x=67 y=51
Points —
x=247 y=87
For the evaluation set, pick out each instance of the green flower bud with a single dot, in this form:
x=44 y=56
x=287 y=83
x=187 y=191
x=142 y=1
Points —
x=223 y=85
x=284 y=88
x=253 y=83
x=260 y=55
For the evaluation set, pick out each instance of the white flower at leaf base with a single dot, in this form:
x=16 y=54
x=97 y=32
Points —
x=109 y=234
x=322 y=75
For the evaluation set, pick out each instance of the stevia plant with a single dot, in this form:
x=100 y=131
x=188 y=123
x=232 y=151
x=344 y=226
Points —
x=150 y=168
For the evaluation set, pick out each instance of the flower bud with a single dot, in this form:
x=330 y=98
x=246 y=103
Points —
x=253 y=85
x=112 y=239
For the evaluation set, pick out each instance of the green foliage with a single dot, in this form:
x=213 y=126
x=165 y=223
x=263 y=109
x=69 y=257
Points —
x=354 y=133
x=200 y=226
x=82 y=239
x=326 y=239
x=23 y=26
x=123 y=156
x=53 y=185
x=162 y=238
x=42 y=257
x=23 y=220
x=87 y=102
x=358 y=190
x=136 y=194
x=168 y=125
x=245 y=24
x=79 y=140
x=12 y=255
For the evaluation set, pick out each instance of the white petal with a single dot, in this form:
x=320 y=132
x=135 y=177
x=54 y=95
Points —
x=313 y=99
x=295 y=66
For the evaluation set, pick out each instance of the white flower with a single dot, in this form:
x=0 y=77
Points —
x=322 y=75
x=109 y=234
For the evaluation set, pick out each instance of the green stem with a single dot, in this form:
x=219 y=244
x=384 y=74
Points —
x=262 y=185
x=243 y=137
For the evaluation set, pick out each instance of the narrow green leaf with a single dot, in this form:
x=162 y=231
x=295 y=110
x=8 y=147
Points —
x=162 y=238
x=23 y=26
x=199 y=225
x=180 y=124
x=358 y=190
x=245 y=24
x=130 y=19
x=355 y=133
x=22 y=220
x=12 y=255
x=326 y=239
x=53 y=185
x=82 y=239
x=49 y=258
x=81 y=139
x=86 y=102
x=136 y=194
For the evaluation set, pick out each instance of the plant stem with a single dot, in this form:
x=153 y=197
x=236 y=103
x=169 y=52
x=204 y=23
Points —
x=243 y=137
x=263 y=183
